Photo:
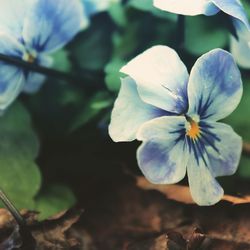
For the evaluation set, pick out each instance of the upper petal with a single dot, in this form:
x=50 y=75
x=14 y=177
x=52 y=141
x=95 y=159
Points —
x=161 y=78
x=163 y=155
x=215 y=86
x=130 y=112
x=233 y=8
x=223 y=147
x=12 y=14
x=52 y=24
x=11 y=84
x=205 y=190
x=187 y=7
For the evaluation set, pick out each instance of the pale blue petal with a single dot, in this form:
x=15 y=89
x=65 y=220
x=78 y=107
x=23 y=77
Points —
x=223 y=147
x=163 y=155
x=130 y=112
x=187 y=7
x=205 y=190
x=161 y=78
x=34 y=81
x=10 y=46
x=12 y=14
x=11 y=84
x=240 y=48
x=215 y=86
x=233 y=8
x=52 y=24
x=92 y=7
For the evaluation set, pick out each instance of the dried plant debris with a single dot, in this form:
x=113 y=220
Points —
x=53 y=233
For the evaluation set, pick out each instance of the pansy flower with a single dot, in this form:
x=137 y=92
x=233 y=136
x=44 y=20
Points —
x=31 y=30
x=233 y=8
x=240 y=46
x=175 y=115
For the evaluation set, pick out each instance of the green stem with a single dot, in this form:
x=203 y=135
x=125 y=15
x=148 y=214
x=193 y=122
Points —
x=180 y=32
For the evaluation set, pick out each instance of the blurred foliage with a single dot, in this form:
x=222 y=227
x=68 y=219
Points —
x=65 y=112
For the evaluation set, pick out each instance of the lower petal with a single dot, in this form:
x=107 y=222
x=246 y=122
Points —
x=163 y=162
x=11 y=84
x=35 y=80
x=225 y=159
x=205 y=190
x=163 y=155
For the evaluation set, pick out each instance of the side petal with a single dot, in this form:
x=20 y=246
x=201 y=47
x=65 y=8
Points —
x=163 y=155
x=34 y=81
x=224 y=151
x=215 y=86
x=11 y=84
x=161 y=78
x=233 y=8
x=240 y=48
x=52 y=24
x=205 y=190
x=130 y=112
x=187 y=7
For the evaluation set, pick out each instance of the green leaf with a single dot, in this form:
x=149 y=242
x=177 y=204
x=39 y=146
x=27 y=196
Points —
x=244 y=168
x=20 y=177
x=117 y=13
x=54 y=199
x=92 y=48
x=92 y=108
x=61 y=61
x=113 y=75
x=147 y=5
x=204 y=34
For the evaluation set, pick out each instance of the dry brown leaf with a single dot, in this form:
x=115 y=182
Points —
x=182 y=193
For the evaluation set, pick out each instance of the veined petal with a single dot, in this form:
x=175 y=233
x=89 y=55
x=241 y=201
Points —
x=52 y=24
x=11 y=84
x=163 y=155
x=223 y=148
x=161 y=78
x=233 y=8
x=34 y=81
x=215 y=86
x=130 y=112
x=92 y=7
x=187 y=7
x=205 y=190
x=240 y=48
x=12 y=16
x=9 y=45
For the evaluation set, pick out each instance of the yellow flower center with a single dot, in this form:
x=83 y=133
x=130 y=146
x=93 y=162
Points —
x=194 y=130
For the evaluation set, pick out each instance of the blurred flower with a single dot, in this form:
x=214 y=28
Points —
x=233 y=8
x=31 y=30
x=240 y=47
x=175 y=116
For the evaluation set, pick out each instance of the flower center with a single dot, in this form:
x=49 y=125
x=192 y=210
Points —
x=193 y=130
x=29 y=56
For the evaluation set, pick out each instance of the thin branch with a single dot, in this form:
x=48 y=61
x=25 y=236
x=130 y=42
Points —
x=180 y=37
x=47 y=71
x=23 y=229
x=246 y=148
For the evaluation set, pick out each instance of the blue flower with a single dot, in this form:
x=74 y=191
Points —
x=233 y=8
x=240 y=48
x=31 y=30
x=176 y=118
